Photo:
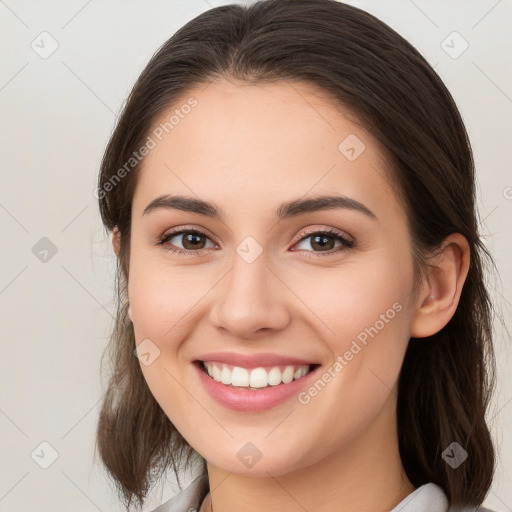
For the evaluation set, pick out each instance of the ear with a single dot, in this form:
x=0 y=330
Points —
x=440 y=292
x=116 y=240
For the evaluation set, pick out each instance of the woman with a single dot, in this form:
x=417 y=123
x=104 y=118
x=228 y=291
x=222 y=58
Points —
x=290 y=190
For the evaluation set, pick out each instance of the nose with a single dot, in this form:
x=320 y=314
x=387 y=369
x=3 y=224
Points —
x=250 y=300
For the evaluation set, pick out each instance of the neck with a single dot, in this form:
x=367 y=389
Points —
x=364 y=474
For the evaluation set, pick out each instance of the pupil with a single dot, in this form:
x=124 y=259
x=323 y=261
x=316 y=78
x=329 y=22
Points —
x=321 y=241
x=190 y=238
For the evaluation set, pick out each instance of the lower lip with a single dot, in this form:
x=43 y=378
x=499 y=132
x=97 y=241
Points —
x=252 y=400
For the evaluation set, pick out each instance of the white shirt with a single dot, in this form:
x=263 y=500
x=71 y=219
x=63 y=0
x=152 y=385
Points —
x=426 y=498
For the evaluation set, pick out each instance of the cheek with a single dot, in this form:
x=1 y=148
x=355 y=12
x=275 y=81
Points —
x=352 y=299
x=165 y=303
x=364 y=317
x=366 y=320
x=162 y=296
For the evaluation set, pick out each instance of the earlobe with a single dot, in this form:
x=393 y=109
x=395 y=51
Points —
x=442 y=288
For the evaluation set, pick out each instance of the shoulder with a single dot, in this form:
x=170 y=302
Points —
x=430 y=497
x=470 y=509
x=189 y=499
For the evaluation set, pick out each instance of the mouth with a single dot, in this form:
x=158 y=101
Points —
x=259 y=378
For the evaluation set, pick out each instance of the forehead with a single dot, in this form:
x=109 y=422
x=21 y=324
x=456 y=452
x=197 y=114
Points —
x=254 y=142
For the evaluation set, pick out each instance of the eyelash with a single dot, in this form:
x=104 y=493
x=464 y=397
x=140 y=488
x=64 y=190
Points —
x=346 y=243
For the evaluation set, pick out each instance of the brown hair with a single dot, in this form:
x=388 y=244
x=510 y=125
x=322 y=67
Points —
x=362 y=64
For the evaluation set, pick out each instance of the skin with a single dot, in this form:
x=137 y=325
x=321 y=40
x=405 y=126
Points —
x=247 y=149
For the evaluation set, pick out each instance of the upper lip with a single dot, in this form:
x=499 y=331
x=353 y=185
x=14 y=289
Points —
x=252 y=360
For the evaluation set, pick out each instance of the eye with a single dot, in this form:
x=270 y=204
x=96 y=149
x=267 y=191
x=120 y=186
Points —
x=322 y=240
x=190 y=239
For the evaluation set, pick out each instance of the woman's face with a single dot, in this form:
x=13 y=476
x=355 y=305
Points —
x=262 y=283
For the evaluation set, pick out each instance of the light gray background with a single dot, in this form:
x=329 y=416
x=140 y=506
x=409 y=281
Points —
x=56 y=117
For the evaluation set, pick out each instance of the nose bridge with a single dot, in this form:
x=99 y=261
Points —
x=249 y=298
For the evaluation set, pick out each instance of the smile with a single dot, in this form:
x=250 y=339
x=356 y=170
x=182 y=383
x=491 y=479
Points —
x=257 y=378
x=253 y=390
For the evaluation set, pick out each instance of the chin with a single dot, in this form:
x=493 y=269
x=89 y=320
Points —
x=249 y=461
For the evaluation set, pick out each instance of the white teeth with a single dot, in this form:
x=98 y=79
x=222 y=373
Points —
x=274 y=377
x=239 y=377
x=256 y=377
x=225 y=376
x=288 y=374
x=216 y=372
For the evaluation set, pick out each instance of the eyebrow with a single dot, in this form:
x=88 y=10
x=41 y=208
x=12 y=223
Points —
x=285 y=211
